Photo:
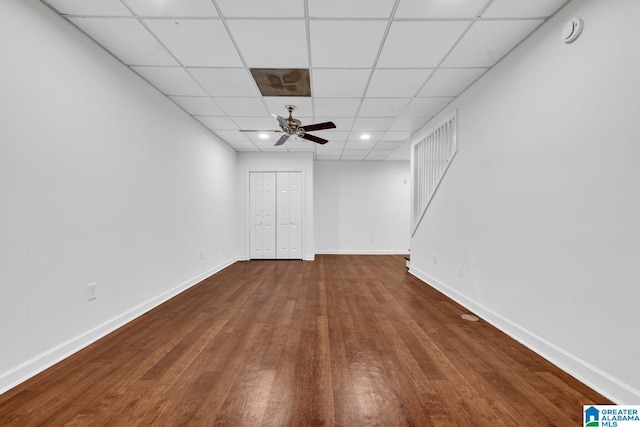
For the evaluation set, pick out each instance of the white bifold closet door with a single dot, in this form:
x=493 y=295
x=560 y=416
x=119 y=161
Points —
x=276 y=215
x=262 y=189
x=289 y=209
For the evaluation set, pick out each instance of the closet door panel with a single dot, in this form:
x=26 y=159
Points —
x=295 y=215
x=262 y=205
x=283 y=215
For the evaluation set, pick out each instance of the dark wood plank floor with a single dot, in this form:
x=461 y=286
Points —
x=343 y=340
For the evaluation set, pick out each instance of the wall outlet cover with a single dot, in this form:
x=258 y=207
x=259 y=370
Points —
x=92 y=291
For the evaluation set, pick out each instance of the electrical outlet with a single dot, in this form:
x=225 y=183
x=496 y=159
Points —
x=460 y=270
x=92 y=291
x=435 y=259
x=202 y=254
x=372 y=239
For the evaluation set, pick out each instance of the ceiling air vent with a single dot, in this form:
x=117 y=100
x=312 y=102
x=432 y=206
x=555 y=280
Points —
x=282 y=81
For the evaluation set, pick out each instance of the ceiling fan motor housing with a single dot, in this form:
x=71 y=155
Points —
x=293 y=124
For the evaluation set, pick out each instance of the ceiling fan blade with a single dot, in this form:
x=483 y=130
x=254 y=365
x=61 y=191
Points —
x=281 y=120
x=319 y=126
x=258 y=130
x=282 y=140
x=315 y=139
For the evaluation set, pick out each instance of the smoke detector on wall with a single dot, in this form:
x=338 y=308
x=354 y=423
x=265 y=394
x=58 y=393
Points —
x=572 y=29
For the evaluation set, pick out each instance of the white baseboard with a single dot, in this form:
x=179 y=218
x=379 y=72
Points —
x=361 y=252
x=42 y=361
x=613 y=388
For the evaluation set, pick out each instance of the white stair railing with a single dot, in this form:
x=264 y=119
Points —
x=431 y=158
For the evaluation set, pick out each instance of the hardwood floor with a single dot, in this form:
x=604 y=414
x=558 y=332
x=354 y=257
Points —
x=344 y=340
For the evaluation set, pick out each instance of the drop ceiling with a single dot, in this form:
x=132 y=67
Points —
x=382 y=68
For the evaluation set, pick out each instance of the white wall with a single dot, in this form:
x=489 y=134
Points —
x=362 y=207
x=541 y=204
x=102 y=179
x=274 y=162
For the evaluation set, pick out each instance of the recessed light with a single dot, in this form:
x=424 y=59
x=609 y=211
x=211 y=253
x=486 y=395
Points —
x=365 y=136
x=263 y=136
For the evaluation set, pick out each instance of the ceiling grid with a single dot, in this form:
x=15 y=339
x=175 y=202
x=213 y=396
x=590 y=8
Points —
x=382 y=68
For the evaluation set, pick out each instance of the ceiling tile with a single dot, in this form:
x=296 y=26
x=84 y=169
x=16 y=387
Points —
x=419 y=44
x=450 y=81
x=198 y=105
x=181 y=8
x=269 y=148
x=127 y=39
x=397 y=83
x=282 y=81
x=375 y=158
x=345 y=43
x=326 y=150
x=330 y=149
x=301 y=145
x=383 y=107
x=255 y=123
x=520 y=9
x=371 y=124
x=171 y=80
x=90 y=8
x=377 y=152
x=197 y=42
x=243 y=145
x=225 y=81
x=233 y=136
x=426 y=106
x=396 y=136
x=354 y=155
x=488 y=41
x=277 y=105
x=334 y=83
x=217 y=123
x=409 y=123
x=261 y=8
x=439 y=9
x=388 y=145
x=242 y=107
x=355 y=152
x=359 y=145
x=350 y=8
x=336 y=107
x=271 y=43
x=327 y=158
